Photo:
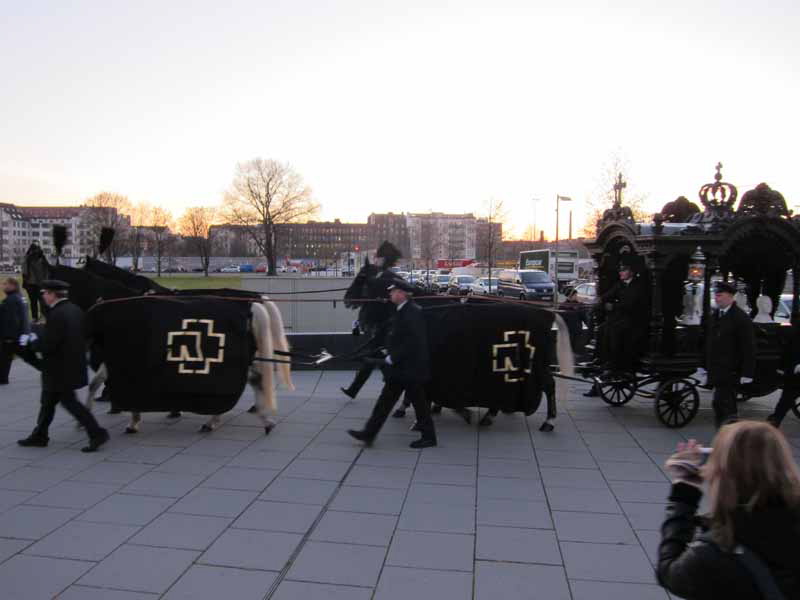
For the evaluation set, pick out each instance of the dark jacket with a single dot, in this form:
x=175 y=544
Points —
x=700 y=570
x=34 y=267
x=731 y=349
x=407 y=345
x=62 y=342
x=626 y=304
x=14 y=319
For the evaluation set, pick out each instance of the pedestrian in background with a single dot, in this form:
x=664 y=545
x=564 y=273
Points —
x=62 y=343
x=14 y=322
x=730 y=353
x=747 y=548
x=34 y=272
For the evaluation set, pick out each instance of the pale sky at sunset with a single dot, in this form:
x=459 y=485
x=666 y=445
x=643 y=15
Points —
x=403 y=106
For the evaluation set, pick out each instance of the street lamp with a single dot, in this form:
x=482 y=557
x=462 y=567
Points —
x=535 y=204
x=559 y=200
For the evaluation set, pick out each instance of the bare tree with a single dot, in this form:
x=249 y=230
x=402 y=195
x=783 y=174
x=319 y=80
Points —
x=266 y=193
x=490 y=233
x=108 y=209
x=430 y=244
x=158 y=225
x=138 y=232
x=603 y=196
x=195 y=227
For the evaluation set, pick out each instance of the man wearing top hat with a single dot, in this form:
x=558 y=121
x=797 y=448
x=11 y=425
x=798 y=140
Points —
x=406 y=368
x=62 y=343
x=730 y=352
x=625 y=306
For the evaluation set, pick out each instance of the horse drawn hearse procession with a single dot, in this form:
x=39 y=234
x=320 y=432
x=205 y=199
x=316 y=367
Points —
x=161 y=350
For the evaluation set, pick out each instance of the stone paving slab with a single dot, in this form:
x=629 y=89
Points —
x=306 y=513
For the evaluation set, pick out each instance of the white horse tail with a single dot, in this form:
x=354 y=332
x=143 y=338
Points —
x=265 y=397
x=95 y=384
x=279 y=341
x=566 y=361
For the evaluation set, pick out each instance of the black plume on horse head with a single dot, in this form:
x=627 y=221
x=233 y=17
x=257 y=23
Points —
x=389 y=253
x=59 y=238
x=106 y=239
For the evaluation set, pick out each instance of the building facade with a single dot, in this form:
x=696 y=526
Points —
x=20 y=226
x=389 y=227
x=434 y=236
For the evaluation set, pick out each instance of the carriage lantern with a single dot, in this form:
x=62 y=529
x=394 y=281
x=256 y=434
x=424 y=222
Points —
x=697 y=266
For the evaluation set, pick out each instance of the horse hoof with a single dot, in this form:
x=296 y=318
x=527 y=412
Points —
x=268 y=428
x=206 y=428
x=252 y=410
x=547 y=427
x=485 y=421
x=131 y=430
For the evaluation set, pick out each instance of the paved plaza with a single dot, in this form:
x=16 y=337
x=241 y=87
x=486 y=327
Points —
x=305 y=513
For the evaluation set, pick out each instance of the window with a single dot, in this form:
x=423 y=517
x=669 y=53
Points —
x=535 y=277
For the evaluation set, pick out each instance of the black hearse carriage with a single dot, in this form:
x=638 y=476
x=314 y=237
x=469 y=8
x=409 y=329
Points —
x=681 y=252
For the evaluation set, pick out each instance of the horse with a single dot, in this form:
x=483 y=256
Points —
x=89 y=290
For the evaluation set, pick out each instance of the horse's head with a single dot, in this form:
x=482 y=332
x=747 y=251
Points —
x=359 y=288
x=85 y=288
x=371 y=283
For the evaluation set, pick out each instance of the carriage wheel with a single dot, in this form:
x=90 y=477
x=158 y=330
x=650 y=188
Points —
x=677 y=402
x=796 y=407
x=616 y=391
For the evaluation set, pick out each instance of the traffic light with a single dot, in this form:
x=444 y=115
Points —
x=358 y=248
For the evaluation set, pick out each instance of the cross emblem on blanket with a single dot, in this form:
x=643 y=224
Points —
x=195 y=346
x=514 y=357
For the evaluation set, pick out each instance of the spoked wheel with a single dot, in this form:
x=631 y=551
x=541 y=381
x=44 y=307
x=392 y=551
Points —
x=796 y=407
x=617 y=390
x=677 y=402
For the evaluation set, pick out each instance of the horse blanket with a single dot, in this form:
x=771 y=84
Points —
x=492 y=355
x=174 y=354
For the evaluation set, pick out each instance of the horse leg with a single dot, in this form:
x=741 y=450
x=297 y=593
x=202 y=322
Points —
x=211 y=424
x=133 y=424
x=266 y=422
x=255 y=382
x=94 y=385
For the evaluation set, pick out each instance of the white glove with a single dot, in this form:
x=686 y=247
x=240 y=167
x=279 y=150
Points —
x=797 y=370
x=23 y=339
x=745 y=380
x=388 y=359
x=701 y=372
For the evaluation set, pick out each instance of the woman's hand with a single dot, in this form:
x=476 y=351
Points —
x=684 y=465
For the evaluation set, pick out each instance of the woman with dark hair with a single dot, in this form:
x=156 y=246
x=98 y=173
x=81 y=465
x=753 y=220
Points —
x=747 y=548
x=14 y=322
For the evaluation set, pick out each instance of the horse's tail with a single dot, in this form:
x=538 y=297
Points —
x=566 y=360
x=265 y=396
x=279 y=340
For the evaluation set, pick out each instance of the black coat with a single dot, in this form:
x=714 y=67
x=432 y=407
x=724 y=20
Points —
x=700 y=570
x=731 y=350
x=626 y=304
x=13 y=317
x=407 y=345
x=62 y=342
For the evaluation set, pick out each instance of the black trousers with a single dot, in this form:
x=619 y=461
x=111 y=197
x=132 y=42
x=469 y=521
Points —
x=390 y=394
x=724 y=403
x=791 y=390
x=70 y=403
x=362 y=375
x=34 y=297
x=6 y=356
x=622 y=343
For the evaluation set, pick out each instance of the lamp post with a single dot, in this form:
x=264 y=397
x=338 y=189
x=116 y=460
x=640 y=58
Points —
x=559 y=200
x=533 y=233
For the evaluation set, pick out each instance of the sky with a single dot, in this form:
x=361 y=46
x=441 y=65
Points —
x=398 y=106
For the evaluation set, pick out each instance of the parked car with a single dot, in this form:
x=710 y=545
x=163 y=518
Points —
x=293 y=269
x=261 y=268
x=439 y=284
x=482 y=286
x=525 y=284
x=587 y=293
x=460 y=285
x=230 y=269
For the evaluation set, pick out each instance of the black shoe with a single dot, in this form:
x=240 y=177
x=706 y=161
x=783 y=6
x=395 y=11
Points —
x=592 y=393
x=252 y=410
x=33 y=441
x=399 y=413
x=423 y=443
x=465 y=414
x=347 y=392
x=547 y=427
x=361 y=436
x=96 y=441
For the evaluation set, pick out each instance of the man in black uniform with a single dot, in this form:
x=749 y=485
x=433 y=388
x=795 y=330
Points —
x=730 y=353
x=625 y=305
x=62 y=343
x=791 y=379
x=406 y=368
